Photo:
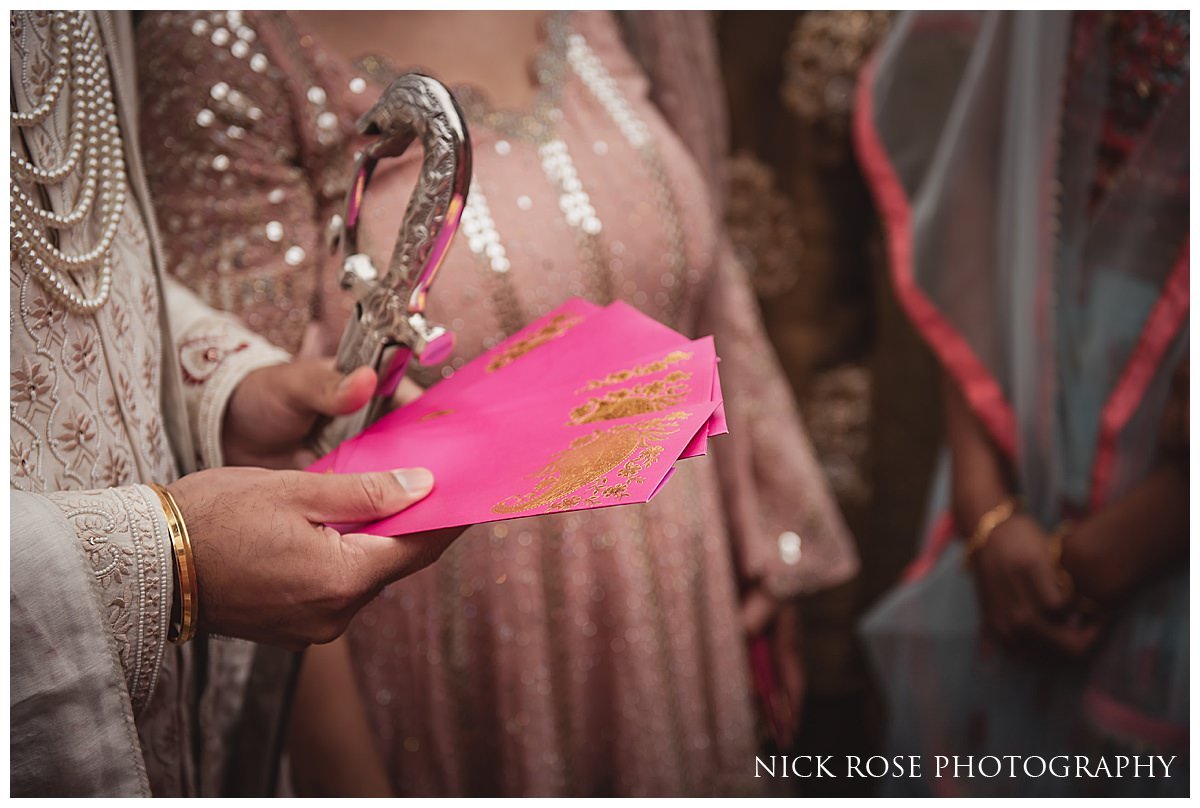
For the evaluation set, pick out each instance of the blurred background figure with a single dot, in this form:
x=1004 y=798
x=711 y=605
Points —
x=598 y=653
x=1032 y=171
x=804 y=225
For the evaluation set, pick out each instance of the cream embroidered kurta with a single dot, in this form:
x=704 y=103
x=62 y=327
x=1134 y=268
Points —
x=101 y=704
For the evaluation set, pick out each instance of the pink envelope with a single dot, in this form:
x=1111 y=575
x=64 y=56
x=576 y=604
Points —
x=584 y=408
x=574 y=344
x=527 y=466
x=567 y=346
x=679 y=376
x=544 y=331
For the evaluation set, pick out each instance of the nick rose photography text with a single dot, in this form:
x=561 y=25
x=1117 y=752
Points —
x=964 y=766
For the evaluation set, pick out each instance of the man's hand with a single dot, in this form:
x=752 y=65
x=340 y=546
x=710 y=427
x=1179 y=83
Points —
x=1019 y=591
x=274 y=408
x=268 y=568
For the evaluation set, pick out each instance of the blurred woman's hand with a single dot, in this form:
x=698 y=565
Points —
x=1019 y=592
x=780 y=621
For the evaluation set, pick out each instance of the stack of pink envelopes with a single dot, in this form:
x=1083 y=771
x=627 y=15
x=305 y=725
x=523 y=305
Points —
x=585 y=408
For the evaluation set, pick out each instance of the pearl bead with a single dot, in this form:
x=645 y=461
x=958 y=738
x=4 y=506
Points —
x=92 y=112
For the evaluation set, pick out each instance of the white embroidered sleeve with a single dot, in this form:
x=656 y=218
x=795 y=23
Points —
x=215 y=353
x=123 y=533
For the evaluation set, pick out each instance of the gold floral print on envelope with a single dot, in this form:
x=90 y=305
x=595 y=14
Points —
x=639 y=399
x=552 y=330
x=596 y=467
x=673 y=358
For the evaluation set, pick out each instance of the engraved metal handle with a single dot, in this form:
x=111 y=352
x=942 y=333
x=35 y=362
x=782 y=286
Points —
x=388 y=326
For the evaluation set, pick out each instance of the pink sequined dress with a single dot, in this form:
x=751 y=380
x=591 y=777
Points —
x=594 y=653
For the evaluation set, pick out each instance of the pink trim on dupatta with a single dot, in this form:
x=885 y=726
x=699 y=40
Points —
x=1115 y=717
x=979 y=387
x=940 y=536
x=1162 y=325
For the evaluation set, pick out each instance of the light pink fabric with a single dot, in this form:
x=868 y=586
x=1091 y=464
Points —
x=584 y=653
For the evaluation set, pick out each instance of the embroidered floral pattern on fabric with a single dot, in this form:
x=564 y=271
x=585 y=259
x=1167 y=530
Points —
x=627 y=449
x=78 y=418
x=120 y=534
x=640 y=399
x=552 y=330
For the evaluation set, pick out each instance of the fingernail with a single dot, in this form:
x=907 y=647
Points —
x=417 y=482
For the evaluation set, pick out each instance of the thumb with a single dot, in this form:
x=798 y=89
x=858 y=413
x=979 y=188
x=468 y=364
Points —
x=314 y=386
x=362 y=497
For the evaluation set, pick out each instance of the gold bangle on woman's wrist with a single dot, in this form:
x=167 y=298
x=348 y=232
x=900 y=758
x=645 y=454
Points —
x=185 y=568
x=987 y=525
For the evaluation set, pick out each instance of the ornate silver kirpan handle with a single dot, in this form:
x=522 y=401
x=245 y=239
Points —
x=388 y=326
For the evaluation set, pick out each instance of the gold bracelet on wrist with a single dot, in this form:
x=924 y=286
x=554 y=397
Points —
x=987 y=525
x=185 y=567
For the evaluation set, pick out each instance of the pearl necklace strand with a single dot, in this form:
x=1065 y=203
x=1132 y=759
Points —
x=96 y=138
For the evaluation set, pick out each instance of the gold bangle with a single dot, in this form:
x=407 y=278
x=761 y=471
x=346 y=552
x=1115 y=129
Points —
x=185 y=566
x=987 y=525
